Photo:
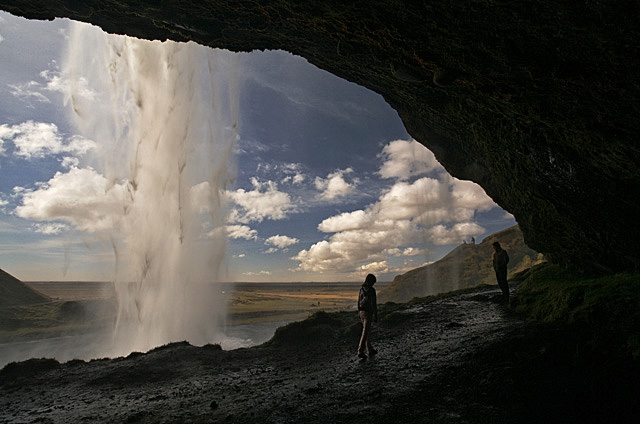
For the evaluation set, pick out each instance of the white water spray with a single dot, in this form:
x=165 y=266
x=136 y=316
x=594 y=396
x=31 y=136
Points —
x=164 y=116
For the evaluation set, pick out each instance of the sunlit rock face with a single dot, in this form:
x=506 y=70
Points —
x=535 y=102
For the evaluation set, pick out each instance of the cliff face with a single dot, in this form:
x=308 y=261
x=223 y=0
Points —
x=468 y=265
x=536 y=102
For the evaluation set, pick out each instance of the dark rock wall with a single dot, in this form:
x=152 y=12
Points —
x=534 y=100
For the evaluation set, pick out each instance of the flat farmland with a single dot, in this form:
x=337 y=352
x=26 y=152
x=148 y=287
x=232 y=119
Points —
x=265 y=302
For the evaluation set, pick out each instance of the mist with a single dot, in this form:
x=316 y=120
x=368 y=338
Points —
x=164 y=117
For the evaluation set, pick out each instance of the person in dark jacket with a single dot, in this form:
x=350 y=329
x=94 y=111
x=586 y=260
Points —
x=368 y=311
x=500 y=261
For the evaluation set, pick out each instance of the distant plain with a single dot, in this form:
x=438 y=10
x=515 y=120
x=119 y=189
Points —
x=246 y=302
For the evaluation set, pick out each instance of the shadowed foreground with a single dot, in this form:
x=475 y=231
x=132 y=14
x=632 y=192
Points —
x=452 y=359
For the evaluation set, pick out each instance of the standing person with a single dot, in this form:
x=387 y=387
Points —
x=500 y=261
x=368 y=311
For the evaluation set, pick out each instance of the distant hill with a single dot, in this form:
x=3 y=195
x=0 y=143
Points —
x=467 y=265
x=14 y=292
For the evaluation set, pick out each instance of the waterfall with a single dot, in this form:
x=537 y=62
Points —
x=164 y=116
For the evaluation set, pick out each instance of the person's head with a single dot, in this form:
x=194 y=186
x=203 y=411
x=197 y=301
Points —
x=370 y=280
x=496 y=246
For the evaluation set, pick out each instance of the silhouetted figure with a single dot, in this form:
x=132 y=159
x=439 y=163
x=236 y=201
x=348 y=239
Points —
x=368 y=311
x=500 y=261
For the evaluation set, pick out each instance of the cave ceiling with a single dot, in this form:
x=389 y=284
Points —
x=537 y=101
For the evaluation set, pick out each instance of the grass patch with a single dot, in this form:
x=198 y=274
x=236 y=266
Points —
x=53 y=318
x=429 y=299
x=607 y=307
x=18 y=370
x=319 y=327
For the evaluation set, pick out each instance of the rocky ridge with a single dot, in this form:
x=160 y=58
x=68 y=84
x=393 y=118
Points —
x=468 y=265
x=459 y=358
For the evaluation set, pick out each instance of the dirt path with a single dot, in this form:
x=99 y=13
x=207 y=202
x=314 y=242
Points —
x=421 y=374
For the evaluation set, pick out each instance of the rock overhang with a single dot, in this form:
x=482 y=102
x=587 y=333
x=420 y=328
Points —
x=536 y=102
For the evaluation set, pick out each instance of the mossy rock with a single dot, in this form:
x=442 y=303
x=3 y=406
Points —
x=19 y=370
x=321 y=327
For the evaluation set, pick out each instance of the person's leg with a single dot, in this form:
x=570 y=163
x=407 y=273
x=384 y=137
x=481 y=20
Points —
x=501 y=276
x=370 y=348
x=364 y=339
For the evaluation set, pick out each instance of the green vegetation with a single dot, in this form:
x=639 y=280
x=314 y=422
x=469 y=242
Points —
x=53 y=318
x=261 y=303
x=319 y=327
x=606 y=308
x=14 y=292
x=27 y=368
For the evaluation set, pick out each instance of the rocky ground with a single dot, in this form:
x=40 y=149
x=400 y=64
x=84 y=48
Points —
x=457 y=359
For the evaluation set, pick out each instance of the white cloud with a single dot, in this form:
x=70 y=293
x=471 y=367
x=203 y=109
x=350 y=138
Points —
x=442 y=235
x=380 y=267
x=265 y=201
x=439 y=211
x=241 y=232
x=281 y=242
x=54 y=81
x=49 y=228
x=81 y=197
x=58 y=82
x=28 y=91
x=346 y=221
x=70 y=162
x=298 y=178
x=250 y=273
x=334 y=185
x=467 y=194
x=412 y=251
x=38 y=139
x=404 y=159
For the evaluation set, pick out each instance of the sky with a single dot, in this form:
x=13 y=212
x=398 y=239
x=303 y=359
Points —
x=325 y=184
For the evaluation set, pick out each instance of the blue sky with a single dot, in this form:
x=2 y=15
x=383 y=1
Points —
x=323 y=182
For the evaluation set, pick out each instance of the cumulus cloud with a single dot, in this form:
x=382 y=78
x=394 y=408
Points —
x=241 y=232
x=39 y=139
x=346 y=221
x=80 y=197
x=296 y=179
x=442 y=235
x=335 y=185
x=265 y=201
x=438 y=211
x=293 y=172
x=380 y=267
x=404 y=159
x=281 y=242
x=70 y=162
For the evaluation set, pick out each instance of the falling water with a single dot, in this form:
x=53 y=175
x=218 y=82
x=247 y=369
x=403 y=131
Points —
x=164 y=116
